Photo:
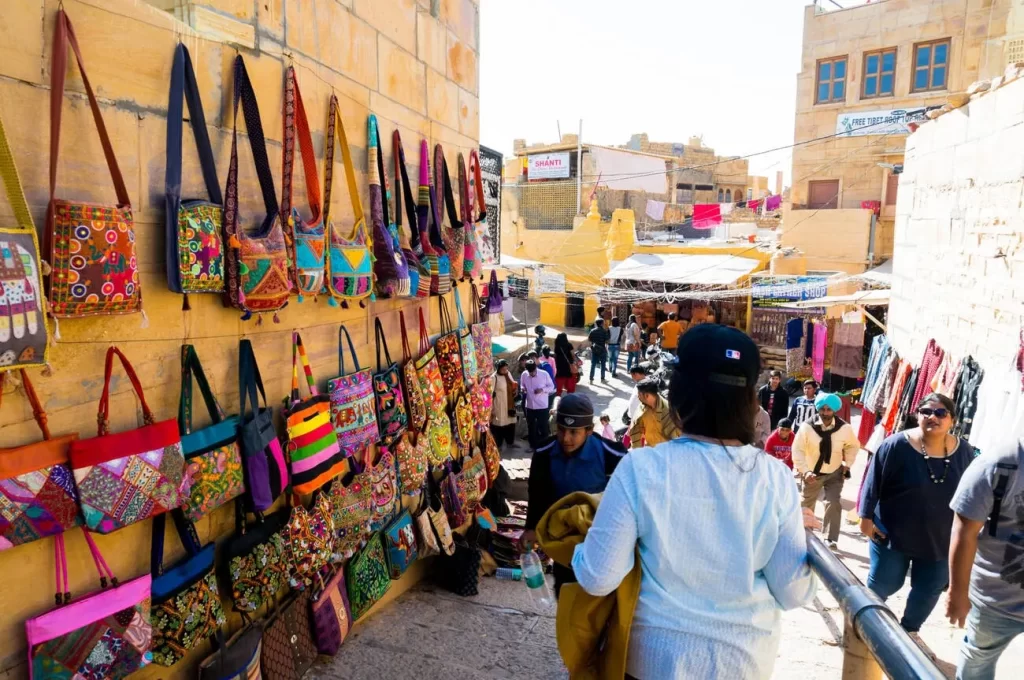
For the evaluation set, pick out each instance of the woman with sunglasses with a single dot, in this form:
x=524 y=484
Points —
x=904 y=508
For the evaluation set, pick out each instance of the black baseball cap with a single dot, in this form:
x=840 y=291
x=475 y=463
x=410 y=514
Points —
x=575 y=411
x=719 y=354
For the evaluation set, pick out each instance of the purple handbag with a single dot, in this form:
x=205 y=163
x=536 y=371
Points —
x=266 y=472
x=332 y=618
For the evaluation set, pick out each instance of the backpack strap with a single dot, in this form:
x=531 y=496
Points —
x=998 y=493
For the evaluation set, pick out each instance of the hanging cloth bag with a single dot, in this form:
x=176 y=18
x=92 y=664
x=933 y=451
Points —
x=186 y=608
x=352 y=510
x=384 y=490
x=368 y=576
x=130 y=476
x=349 y=260
x=309 y=540
x=412 y=454
x=437 y=242
x=470 y=367
x=264 y=466
x=92 y=247
x=471 y=267
x=213 y=460
x=314 y=455
x=24 y=343
x=330 y=614
x=307 y=239
x=352 y=402
x=419 y=273
x=486 y=253
x=289 y=647
x=194 y=249
x=255 y=559
x=449 y=355
x=256 y=263
x=453 y=235
x=36 y=488
x=415 y=404
x=392 y=419
x=238 y=659
x=390 y=269
x=494 y=297
x=482 y=340
x=401 y=542
x=438 y=427
x=106 y=635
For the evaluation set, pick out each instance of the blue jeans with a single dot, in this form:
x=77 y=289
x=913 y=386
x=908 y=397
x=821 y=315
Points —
x=928 y=578
x=989 y=633
x=613 y=358
x=596 y=361
x=632 y=358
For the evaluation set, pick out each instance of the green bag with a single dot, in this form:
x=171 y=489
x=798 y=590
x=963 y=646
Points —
x=367 y=576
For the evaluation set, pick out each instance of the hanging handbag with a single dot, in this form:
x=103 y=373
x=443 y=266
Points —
x=25 y=343
x=482 y=339
x=105 y=635
x=352 y=512
x=413 y=456
x=471 y=266
x=412 y=247
x=256 y=263
x=289 y=648
x=481 y=397
x=390 y=270
x=438 y=427
x=460 y=572
x=314 y=455
x=495 y=301
x=238 y=659
x=438 y=517
x=332 y=619
x=349 y=261
x=442 y=260
x=213 y=462
x=392 y=419
x=426 y=542
x=308 y=240
x=492 y=457
x=401 y=542
x=470 y=367
x=452 y=235
x=352 y=402
x=449 y=356
x=263 y=462
x=130 y=476
x=186 y=607
x=487 y=254
x=92 y=247
x=453 y=498
x=367 y=577
x=194 y=249
x=472 y=480
x=385 y=502
x=464 y=423
x=415 y=404
x=309 y=540
x=255 y=559
x=37 y=492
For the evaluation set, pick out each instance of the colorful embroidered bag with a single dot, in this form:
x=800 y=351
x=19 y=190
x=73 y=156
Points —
x=238 y=659
x=129 y=476
x=472 y=479
x=92 y=247
x=255 y=559
x=392 y=419
x=37 y=490
x=352 y=402
x=24 y=342
x=367 y=576
x=256 y=263
x=194 y=249
x=263 y=461
x=495 y=301
x=481 y=398
x=438 y=517
x=482 y=339
x=186 y=607
x=464 y=423
x=390 y=270
x=309 y=539
x=426 y=542
x=102 y=636
x=471 y=266
x=452 y=235
x=453 y=498
x=289 y=648
x=412 y=247
x=492 y=457
x=384 y=490
x=308 y=240
x=352 y=511
x=437 y=242
x=213 y=461
x=449 y=356
x=415 y=404
x=329 y=610
x=314 y=455
x=349 y=259
x=470 y=367
x=401 y=540
x=438 y=427
x=413 y=456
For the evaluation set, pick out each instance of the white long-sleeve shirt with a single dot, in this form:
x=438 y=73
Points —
x=722 y=553
x=542 y=381
x=806 y=451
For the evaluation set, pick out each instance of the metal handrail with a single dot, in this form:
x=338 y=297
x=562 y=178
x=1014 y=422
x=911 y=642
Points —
x=897 y=654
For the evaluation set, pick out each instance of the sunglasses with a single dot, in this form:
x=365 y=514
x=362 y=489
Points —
x=939 y=413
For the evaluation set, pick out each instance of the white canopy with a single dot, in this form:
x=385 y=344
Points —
x=882 y=274
x=518 y=263
x=863 y=297
x=702 y=270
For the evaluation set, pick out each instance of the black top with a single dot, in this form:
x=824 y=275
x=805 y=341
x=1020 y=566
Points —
x=598 y=340
x=907 y=506
x=777 y=408
x=562 y=359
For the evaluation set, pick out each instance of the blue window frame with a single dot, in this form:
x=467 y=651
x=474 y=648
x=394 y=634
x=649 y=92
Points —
x=830 y=81
x=931 y=66
x=879 y=74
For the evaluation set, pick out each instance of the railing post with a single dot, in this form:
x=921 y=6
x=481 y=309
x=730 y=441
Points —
x=858 y=662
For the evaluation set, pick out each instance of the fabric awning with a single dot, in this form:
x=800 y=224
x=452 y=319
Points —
x=882 y=274
x=702 y=270
x=863 y=297
x=518 y=262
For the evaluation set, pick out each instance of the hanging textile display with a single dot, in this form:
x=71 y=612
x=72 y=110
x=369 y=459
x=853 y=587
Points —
x=933 y=355
x=707 y=216
x=486 y=250
x=351 y=498
x=818 y=354
x=966 y=395
x=471 y=267
x=390 y=270
x=433 y=254
x=848 y=350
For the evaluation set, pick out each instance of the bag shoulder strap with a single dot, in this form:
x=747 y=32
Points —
x=184 y=87
x=446 y=319
x=444 y=181
x=404 y=190
x=382 y=341
x=104 y=409
x=249 y=379
x=376 y=172
x=458 y=308
x=476 y=177
x=465 y=204
x=406 y=354
x=424 y=334
x=336 y=125
x=299 y=352
x=186 y=533
x=191 y=368
x=342 y=331
x=33 y=399
x=425 y=202
x=296 y=123
x=12 y=183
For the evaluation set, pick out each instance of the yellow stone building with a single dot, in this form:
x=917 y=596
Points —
x=867 y=71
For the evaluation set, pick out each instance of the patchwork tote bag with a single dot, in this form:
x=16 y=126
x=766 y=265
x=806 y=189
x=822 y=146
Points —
x=238 y=659
x=414 y=403
x=367 y=576
x=449 y=355
x=186 y=608
x=130 y=476
x=412 y=247
x=213 y=460
x=37 y=489
x=453 y=235
x=263 y=461
x=352 y=402
x=386 y=503
x=314 y=456
x=390 y=269
x=308 y=240
x=351 y=498
x=401 y=544
x=332 y=619
x=438 y=428
x=256 y=262
x=471 y=266
x=349 y=260
x=392 y=420
x=194 y=226
x=486 y=253
x=289 y=648
x=255 y=559
x=91 y=246
x=105 y=635
x=24 y=340
x=437 y=242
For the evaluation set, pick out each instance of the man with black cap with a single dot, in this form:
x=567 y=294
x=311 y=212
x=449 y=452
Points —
x=536 y=387
x=575 y=459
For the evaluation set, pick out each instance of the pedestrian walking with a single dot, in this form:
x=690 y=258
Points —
x=670 y=331
x=633 y=343
x=538 y=341
x=503 y=412
x=536 y=385
x=567 y=368
x=986 y=563
x=780 y=443
x=823 y=453
x=904 y=508
x=803 y=409
x=614 y=344
x=607 y=431
x=773 y=398
x=598 y=349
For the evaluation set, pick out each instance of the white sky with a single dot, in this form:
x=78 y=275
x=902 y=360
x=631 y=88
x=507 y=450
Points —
x=671 y=68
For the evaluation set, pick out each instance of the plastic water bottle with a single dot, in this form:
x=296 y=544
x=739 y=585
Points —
x=509 y=574
x=533 y=574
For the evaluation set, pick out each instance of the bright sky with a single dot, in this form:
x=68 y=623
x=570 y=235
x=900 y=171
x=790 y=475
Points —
x=671 y=68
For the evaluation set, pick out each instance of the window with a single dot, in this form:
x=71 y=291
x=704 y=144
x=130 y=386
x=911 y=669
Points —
x=823 y=194
x=892 y=187
x=721 y=194
x=750 y=194
x=831 y=81
x=931 y=66
x=879 y=74
x=728 y=195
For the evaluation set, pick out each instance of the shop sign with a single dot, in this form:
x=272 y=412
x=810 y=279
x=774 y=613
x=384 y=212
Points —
x=891 y=122
x=548 y=166
x=771 y=291
x=550 y=282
